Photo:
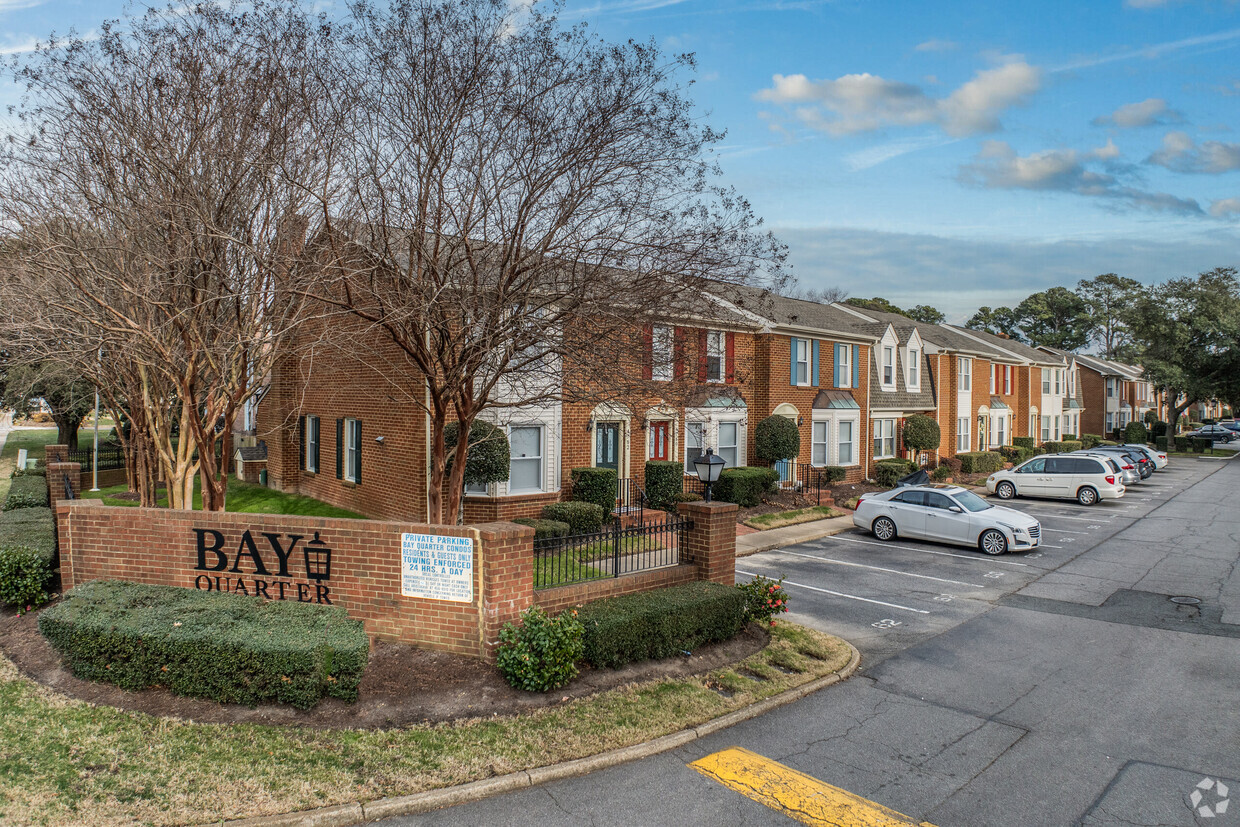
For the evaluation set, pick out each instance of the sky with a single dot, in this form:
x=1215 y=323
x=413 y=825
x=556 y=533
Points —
x=954 y=154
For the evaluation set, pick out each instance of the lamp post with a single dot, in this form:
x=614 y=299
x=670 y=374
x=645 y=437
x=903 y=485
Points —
x=708 y=466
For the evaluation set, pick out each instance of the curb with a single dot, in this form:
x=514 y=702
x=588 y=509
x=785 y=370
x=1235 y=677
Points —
x=346 y=815
x=809 y=537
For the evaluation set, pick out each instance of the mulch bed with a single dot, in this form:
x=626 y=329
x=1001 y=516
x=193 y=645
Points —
x=402 y=685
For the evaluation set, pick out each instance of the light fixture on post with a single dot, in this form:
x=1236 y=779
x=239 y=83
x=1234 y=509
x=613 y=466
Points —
x=708 y=467
x=590 y=425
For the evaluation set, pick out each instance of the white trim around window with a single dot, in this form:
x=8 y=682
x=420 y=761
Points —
x=801 y=361
x=964 y=374
x=313 y=441
x=963 y=438
x=833 y=440
x=884 y=438
x=888 y=375
x=661 y=350
x=716 y=355
x=912 y=365
x=352 y=449
x=528 y=455
x=845 y=367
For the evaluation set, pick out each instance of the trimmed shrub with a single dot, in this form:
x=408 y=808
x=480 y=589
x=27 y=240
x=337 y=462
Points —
x=1181 y=444
x=225 y=647
x=1069 y=438
x=581 y=517
x=921 y=433
x=1135 y=433
x=834 y=473
x=27 y=556
x=488 y=459
x=660 y=623
x=1023 y=454
x=687 y=497
x=1024 y=442
x=1226 y=413
x=1208 y=421
x=1200 y=444
x=952 y=463
x=1110 y=443
x=27 y=492
x=664 y=479
x=775 y=438
x=1063 y=446
x=1090 y=441
x=887 y=472
x=745 y=486
x=764 y=598
x=542 y=653
x=596 y=485
x=1009 y=452
x=29 y=472
x=1159 y=429
x=1160 y=442
x=941 y=473
x=980 y=462
x=545 y=529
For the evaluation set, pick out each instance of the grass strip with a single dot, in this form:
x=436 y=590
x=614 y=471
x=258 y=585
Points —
x=64 y=762
x=784 y=518
x=242 y=498
x=33 y=440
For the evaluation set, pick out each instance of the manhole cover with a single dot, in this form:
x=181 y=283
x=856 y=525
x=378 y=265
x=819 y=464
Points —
x=1184 y=600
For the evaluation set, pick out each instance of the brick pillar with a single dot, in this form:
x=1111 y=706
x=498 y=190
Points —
x=711 y=544
x=56 y=473
x=57 y=453
x=507 y=560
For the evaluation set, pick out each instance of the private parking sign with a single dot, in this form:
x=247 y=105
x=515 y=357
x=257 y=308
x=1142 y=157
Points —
x=437 y=567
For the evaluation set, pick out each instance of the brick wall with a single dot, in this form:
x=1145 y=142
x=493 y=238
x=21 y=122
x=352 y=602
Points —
x=1094 y=391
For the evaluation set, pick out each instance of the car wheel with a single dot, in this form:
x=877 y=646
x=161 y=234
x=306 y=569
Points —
x=884 y=528
x=1087 y=496
x=1005 y=490
x=992 y=541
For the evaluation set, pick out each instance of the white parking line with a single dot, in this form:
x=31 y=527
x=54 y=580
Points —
x=841 y=594
x=1061 y=531
x=880 y=568
x=928 y=551
x=1081 y=519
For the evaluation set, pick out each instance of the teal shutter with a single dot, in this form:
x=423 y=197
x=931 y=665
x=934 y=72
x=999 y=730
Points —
x=838 y=351
x=792 y=360
x=815 y=363
x=856 y=383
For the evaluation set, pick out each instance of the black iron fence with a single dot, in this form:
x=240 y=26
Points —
x=109 y=458
x=559 y=561
x=629 y=496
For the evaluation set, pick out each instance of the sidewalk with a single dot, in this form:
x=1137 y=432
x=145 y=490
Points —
x=791 y=535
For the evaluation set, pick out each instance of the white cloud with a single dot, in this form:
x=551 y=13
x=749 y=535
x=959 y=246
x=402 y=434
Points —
x=874 y=155
x=1225 y=207
x=864 y=102
x=936 y=45
x=14 y=5
x=1147 y=4
x=19 y=47
x=1152 y=51
x=1180 y=154
x=1148 y=112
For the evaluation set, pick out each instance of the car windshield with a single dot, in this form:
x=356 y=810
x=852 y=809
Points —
x=971 y=502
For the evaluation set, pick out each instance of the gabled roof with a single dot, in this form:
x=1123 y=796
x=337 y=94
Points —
x=796 y=314
x=941 y=337
x=1109 y=368
x=903 y=399
x=1009 y=350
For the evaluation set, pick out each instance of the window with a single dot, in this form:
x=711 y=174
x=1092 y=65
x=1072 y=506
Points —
x=910 y=498
x=964 y=374
x=729 y=443
x=1058 y=380
x=661 y=354
x=311 y=463
x=1076 y=427
x=844 y=354
x=658 y=445
x=818 y=443
x=1056 y=424
x=1071 y=383
x=845 y=447
x=936 y=500
x=1046 y=380
x=1110 y=388
x=695 y=434
x=1007 y=380
x=1001 y=424
x=353 y=450
x=962 y=434
x=525 y=467
x=992 y=378
x=714 y=355
x=889 y=365
x=800 y=361
x=1046 y=429
x=1110 y=422
x=914 y=360
x=1067 y=426
x=884 y=438
x=1034 y=466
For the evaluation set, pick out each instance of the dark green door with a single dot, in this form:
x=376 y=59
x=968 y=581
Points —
x=607 y=445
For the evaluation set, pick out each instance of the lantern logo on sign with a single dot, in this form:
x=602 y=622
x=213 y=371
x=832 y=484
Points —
x=318 y=559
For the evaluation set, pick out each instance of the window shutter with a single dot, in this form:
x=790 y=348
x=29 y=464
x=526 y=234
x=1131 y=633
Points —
x=702 y=355
x=301 y=443
x=678 y=352
x=318 y=440
x=856 y=365
x=814 y=363
x=357 y=454
x=836 y=364
x=339 y=449
x=792 y=360
x=729 y=355
x=647 y=352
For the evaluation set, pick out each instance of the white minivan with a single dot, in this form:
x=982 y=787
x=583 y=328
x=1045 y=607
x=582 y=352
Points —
x=1067 y=476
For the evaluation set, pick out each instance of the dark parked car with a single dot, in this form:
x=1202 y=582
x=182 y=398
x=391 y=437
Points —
x=1215 y=432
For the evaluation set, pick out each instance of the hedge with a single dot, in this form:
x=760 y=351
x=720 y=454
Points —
x=1024 y=442
x=545 y=529
x=941 y=473
x=661 y=623
x=1064 y=447
x=27 y=492
x=1090 y=441
x=887 y=472
x=833 y=473
x=27 y=556
x=745 y=486
x=664 y=479
x=1135 y=433
x=980 y=462
x=1182 y=444
x=595 y=485
x=953 y=464
x=1069 y=438
x=1009 y=452
x=226 y=647
x=1200 y=444
x=1160 y=442
x=582 y=518
x=1159 y=429
x=776 y=438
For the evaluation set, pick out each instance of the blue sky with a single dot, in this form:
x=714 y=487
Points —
x=946 y=153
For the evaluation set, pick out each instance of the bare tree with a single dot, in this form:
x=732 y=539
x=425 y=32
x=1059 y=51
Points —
x=822 y=295
x=147 y=183
x=521 y=199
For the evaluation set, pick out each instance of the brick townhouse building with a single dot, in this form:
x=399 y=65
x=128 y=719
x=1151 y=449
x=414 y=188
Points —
x=1117 y=394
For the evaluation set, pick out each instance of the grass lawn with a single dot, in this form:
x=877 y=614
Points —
x=783 y=518
x=63 y=762
x=33 y=441
x=243 y=497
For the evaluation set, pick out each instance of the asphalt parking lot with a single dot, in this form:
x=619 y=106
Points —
x=885 y=597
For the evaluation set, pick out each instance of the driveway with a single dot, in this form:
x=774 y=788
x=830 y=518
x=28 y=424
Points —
x=1059 y=687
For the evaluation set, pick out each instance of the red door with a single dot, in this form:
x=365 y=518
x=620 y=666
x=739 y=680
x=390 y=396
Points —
x=659 y=440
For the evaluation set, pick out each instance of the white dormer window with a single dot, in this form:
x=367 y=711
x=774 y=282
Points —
x=914 y=360
x=889 y=365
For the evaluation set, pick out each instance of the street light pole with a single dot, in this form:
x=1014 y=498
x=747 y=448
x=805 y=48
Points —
x=95 y=463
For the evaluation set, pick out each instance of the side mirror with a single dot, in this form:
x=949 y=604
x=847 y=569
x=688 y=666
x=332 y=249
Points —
x=955 y=509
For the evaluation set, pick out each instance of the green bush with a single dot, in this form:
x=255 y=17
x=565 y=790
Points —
x=1024 y=442
x=980 y=462
x=941 y=473
x=582 y=518
x=1226 y=413
x=834 y=473
x=775 y=438
x=1159 y=429
x=664 y=479
x=887 y=472
x=921 y=433
x=596 y=485
x=1200 y=444
x=687 y=497
x=27 y=556
x=542 y=653
x=225 y=647
x=1010 y=453
x=1136 y=434
x=661 y=623
x=745 y=486
x=488 y=459
x=545 y=529
x=1182 y=444
x=1108 y=443
x=29 y=472
x=1069 y=438
x=1208 y=421
x=27 y=492
x=764 y=598
x=1023 y=454
x=1160 y=442
x=1063 y=447
x=1090 y=441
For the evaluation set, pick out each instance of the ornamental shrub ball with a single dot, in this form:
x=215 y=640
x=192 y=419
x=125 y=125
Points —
x=596 y=485
x=777 y=438
x=921 y=433
x=488 y=457
x=1136 y=434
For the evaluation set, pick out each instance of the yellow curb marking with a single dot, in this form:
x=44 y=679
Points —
x=795 y=794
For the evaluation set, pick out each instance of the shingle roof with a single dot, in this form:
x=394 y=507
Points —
x=903 y=399
x=1110 y=368
x=1002 y=346
x=254 y=453
x=800 y=313
x=942 y=337
x=836 y=399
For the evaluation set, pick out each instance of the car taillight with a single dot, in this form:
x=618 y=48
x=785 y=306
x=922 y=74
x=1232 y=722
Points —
x=1127 y=467
x=1110 y=480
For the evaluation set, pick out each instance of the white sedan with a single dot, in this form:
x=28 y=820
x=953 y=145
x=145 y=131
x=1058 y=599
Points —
x=946 y=514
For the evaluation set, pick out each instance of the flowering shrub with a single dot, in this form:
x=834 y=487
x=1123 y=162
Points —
x=542 y=653
x=764 y=599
